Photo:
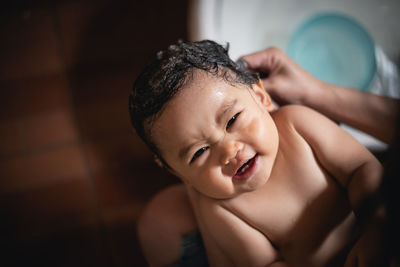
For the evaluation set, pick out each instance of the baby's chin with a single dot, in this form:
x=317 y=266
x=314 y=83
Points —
x=236 y=190
x=256 y=183
x=220 y=194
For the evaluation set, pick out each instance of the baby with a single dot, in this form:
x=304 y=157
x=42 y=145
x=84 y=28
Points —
x=284 y=187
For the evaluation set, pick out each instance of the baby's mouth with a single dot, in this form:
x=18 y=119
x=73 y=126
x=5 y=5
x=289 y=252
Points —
x=246 y=170
x=244 y=167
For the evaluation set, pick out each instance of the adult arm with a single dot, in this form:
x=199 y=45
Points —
x=288 y=83
x=373 y=114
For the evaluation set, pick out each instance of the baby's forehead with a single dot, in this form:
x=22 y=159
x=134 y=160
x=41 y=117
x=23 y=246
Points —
x=202 y=92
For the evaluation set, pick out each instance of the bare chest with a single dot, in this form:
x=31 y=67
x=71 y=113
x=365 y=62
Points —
x=301 y=210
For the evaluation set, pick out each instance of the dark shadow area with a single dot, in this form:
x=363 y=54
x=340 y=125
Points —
x=90 y=219
x=117 y=42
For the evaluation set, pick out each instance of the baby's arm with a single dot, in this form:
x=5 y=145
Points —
x=354 y=167
x=349 y=162
x=229 y=240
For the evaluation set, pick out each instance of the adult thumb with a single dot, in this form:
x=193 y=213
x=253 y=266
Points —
x=268 y=84
x=274 y=89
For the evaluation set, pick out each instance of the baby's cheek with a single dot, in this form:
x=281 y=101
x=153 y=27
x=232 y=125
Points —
x=218 y=184
x=253 y=128
x=262 y=134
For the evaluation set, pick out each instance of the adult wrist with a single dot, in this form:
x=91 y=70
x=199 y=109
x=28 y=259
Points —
x=314 y=94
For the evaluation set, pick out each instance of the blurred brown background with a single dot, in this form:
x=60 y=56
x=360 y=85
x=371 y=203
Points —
x=73 y=175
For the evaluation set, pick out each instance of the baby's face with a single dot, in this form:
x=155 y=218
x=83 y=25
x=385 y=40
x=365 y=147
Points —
x=217 y=137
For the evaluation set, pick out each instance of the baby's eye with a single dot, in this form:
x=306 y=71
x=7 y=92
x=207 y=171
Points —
x=232 y=120
x=198 y=153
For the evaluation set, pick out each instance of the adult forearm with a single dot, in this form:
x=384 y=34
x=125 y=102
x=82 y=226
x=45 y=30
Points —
x=373 y=114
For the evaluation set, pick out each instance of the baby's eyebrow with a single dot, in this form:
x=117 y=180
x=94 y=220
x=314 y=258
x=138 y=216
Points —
x=225 y=109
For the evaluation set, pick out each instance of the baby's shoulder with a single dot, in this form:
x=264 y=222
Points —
x=293 y=112
x=303 y=123
x=212 y=210
x=204 y=205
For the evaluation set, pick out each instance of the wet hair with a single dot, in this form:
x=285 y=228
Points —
x=169 y=72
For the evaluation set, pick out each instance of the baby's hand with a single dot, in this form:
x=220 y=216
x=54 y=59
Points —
x=368 y=251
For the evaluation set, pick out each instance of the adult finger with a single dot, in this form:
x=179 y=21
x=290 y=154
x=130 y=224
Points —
x=263 y=61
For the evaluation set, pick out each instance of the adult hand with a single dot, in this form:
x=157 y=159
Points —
x=286 y=81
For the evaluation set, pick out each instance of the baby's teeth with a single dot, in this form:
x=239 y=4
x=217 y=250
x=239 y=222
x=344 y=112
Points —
x=244 y=168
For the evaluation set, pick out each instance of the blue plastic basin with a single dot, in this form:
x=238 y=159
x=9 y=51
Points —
x=335 y=48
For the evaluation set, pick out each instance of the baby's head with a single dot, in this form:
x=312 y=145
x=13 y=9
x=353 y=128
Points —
x=166 y=75
x=184 y=104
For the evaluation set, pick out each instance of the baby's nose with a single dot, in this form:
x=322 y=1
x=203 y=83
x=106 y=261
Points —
x=230 y=150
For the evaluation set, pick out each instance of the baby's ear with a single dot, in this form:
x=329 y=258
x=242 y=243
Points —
x=263 y=96
x=158 y=161
x=165 y=167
